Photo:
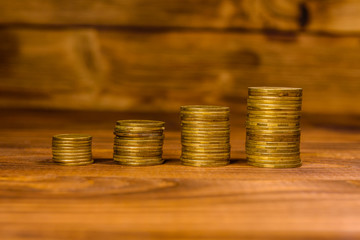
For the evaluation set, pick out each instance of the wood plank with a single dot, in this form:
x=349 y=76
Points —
x=41 y=200
x=87 y=69
x=329 y=16
x=334 y=16
x=249 y=14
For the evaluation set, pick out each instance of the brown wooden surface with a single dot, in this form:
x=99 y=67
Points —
x=41 y=200
x=219 y=14
x=329 y=16
x=155 y=55
x=159 y=71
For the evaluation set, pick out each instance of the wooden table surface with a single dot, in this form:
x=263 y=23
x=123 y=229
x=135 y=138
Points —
x=42 y=200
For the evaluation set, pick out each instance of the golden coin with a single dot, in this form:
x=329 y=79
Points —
x=265 y=165
x=274 y=102
x=204 y=108
x=267 y=149
x=275 y=91
x=78 y=143
x=275 y=98
x=206 y=124
x=200 y=145
x=72 y=158
x=280 y=109
x=272 y=153
x=272 y=158
x=197 y=163
x=204 y=150
x=195 y=157
x=72 y=137
x=201 y=128
x=139 y=163
x=275 y=162
x=76 y=163
x=145 y=123
x=70 y=152
x=71 y=147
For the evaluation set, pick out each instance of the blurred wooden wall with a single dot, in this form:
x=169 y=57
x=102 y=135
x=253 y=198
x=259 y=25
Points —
x=155 y=55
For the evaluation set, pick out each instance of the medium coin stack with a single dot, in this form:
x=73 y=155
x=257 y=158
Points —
x=139 y=142
x=72 y=149
x=205 y=135
x=273 y=127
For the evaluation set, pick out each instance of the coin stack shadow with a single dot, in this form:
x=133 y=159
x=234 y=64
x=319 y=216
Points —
x=205 y=135
x=72 y=149
x=273 y=127
x=138 y=142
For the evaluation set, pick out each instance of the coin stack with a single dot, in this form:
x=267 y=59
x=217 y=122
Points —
x=72 y=149
x=205 y=135
x=273 y=127
x=139 y=142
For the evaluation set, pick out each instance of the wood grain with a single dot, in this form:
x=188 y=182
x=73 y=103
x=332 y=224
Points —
x=146 y=71
x=334 y=16
x=41 y=200
x=328 y=16
x=219 y=14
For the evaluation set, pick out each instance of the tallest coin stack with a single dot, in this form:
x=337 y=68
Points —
x=273 y=127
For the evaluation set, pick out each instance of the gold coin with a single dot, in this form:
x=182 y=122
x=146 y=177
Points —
x=271 y=124
x=272 y=158
x=280 y=109
x=252 y=102
x=204 y=150
x=144 y=123
x=72 y=137
x=138 y=163
x=204 y=108
x=272 y=149
x=78 y=143
x=266 y=165
x=275 y=162
x=276 y=113
x=204 y=164
x=209 y=134
x=204 y=143
x=72 y=158
x=273 y=102
x=271 y=153
x=275 y=91
x=209 y=157
x=205 y=123
x=139 y=128
x=274 y=98
x=139 y=135
x=71 y=146
x=200 y=128
x=200 y=145
x=266 y=143
x=70 y=152
x=76 y=164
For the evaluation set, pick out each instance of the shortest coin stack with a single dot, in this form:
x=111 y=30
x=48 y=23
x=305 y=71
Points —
x=72 y=149
x=138 y=142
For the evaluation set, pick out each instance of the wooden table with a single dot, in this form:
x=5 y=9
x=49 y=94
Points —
x=42 y=200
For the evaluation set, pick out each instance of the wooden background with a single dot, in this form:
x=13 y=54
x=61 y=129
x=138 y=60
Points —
x=155 y=55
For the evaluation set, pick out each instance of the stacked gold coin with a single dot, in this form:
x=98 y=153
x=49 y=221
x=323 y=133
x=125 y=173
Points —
x=273 y=127
x=139 y=142
x=72 y=149
x=205 y=135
